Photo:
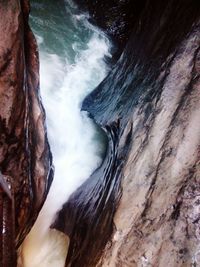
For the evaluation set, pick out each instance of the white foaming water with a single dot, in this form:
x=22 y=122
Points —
x=73 y=140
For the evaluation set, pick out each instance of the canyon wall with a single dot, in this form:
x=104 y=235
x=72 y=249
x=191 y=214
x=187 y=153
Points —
x=141 y=207
x=25 y=159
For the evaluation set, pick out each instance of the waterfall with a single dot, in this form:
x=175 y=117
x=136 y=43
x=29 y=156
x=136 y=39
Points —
x=71 y=66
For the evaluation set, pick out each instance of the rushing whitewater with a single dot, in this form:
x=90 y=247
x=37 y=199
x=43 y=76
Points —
x=73 y=136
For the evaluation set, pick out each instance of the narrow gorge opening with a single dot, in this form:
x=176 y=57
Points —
x=72 y=64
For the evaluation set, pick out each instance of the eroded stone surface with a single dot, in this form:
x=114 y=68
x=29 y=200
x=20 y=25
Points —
x=24 y=151
x=150 y=103
x=157 y=221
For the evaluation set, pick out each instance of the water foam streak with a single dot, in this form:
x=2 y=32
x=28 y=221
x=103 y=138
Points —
x=74 y=142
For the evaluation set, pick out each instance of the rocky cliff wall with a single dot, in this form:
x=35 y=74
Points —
x=157 y=220
x=25 y=158
x=141 y=208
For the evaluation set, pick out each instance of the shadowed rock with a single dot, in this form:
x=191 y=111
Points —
x=115 y=17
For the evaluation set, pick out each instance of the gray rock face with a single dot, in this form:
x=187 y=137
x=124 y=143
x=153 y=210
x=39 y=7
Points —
x=25 y=158
x=149 y=105
x=157 y=220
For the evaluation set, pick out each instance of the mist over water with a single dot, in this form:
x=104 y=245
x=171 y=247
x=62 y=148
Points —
x=71 y=66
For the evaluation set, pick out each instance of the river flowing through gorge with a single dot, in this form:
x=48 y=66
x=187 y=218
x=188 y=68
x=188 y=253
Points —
x=72 y=64
x=100 y=144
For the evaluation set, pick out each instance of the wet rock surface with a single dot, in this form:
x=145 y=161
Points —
x=156 y=222
x=149 y=211
x=114 y=17
x=25 y=158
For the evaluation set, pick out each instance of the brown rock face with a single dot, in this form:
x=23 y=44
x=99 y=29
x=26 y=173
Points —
x=25 y=158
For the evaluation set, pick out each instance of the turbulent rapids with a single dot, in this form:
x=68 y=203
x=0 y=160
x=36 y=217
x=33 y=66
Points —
x=125 y=136
x=71 y=65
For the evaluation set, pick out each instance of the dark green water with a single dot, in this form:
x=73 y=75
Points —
x=62 y=31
